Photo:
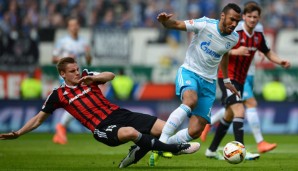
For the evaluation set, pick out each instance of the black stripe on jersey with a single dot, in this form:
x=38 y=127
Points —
x=86 y=106
x=237 y=58
x=101 y=101
x=79 y=112
x=94 y=103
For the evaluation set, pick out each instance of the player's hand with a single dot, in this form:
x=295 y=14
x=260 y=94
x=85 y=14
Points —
x=285 y=64
x=86 y=80
x=162 y=17
x=243 y=51
x=232 y=88
x=9 y=136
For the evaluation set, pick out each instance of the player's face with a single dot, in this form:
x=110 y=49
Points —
x=251 y=19
x=73 y=26
x=229 y=21
x=71 y=74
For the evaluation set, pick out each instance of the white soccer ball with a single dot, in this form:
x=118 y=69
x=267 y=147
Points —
x=234 y=152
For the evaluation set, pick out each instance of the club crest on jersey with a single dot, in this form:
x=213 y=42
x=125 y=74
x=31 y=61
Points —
x=228 y=45
x=205 y=48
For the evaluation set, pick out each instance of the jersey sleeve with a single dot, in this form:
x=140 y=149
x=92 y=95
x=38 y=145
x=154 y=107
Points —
x=51 y=103
x=263 y=46
x=195 y=25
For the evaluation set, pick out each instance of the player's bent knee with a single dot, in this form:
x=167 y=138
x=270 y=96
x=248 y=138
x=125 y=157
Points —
x=128 y=133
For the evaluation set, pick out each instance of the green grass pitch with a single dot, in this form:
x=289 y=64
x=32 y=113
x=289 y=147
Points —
x=35 y=151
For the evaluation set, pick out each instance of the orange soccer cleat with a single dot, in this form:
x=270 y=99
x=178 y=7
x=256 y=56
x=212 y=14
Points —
x=264 y=146
x=60 y=135
x=205 y=132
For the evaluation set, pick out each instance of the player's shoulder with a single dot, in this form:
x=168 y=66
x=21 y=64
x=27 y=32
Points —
x=207 y=20
x=259 y=28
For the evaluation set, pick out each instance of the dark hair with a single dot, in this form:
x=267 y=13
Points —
x=251 y=6
x=233 y=6
x=63 y=62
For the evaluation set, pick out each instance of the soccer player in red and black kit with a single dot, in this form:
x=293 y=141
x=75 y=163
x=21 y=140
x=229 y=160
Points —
x=110 y=124
x=240 y=57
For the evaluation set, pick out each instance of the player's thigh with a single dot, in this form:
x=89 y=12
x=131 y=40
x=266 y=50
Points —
x=206 y=98
x=185 y=80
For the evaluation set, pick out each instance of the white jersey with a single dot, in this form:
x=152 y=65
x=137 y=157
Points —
x=259 y=27
x=67 y=46
x=207 y=47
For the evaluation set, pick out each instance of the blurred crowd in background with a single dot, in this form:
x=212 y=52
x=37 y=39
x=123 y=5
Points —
x=25 y=15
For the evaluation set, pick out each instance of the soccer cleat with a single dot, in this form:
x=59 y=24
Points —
x=155 y=155
x=188 y=148
x=167 y=155
x=205 y=132
x=153 y=159
x=214 y=154
x=264 y=146
x=60 y=135
x=130 y=158
x=251 y=156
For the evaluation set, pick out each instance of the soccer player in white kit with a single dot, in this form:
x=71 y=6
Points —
x=249 y=102
x=196 y=78
x=76 y=46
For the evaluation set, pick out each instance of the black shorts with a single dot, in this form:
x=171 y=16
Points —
x=107 y=131
x=227 y=98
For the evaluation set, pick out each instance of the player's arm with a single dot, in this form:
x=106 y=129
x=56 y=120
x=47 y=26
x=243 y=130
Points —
x=275 y=59
x=227 y=82
x=101 y=78
x=241 y=51
x=167 y=22
x=32 y=124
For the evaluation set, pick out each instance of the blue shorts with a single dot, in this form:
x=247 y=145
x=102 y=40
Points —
x=248 y=88
x=187 y=80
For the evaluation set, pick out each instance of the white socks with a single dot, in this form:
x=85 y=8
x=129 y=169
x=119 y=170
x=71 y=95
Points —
x=66 y=118
x=254 y=123
x=174 y=121
x=180 y=137
x=218 y=116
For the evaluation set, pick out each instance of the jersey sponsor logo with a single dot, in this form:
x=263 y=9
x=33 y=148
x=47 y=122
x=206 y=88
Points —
x=79 y=95
x=204 y=47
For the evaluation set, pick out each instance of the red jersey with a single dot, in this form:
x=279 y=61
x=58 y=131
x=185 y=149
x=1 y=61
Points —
x=86 y=103
x=239 y=65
